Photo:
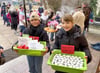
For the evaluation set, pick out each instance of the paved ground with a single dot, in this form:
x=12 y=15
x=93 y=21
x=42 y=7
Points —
x=19 y=64
x=7 y=39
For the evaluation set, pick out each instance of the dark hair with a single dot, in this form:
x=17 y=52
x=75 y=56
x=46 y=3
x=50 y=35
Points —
x=3 y=3
x=20 y=5
x=31 y=11
x=51 y=15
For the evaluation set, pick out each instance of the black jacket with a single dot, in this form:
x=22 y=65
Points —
x=14 y=18
x=3 y=10
x=41 y=10
x=39 y=32
x=72 y=37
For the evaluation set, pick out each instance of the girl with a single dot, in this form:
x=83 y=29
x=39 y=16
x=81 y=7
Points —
x=70 y=34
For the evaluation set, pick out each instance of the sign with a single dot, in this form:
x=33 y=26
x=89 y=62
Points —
x=68 y=49
x=34 y=38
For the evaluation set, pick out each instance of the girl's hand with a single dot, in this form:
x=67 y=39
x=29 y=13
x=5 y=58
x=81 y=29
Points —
x=43 y=53
x=56 y=30
x=86 y=58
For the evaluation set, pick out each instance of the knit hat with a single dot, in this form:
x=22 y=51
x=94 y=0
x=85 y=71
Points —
x=34 y=16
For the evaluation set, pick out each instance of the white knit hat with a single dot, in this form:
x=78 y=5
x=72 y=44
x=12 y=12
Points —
x=34 y=16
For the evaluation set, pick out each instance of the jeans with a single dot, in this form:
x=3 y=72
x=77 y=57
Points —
x=35 y=64
x=5 y=19
x=22 y=28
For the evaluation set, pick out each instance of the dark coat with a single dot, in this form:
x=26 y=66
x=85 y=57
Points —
x=3 y=10
x=40 y=9
x=14 y=19
x=39 y=32
x=86 y=11
x=72 y=37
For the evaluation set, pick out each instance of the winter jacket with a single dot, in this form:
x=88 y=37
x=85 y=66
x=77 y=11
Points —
x=39 y=32
x=86 y=11
x=9 y=17
x=3 y=10
x=41 y=10
x=14 y=18
x=72 y=37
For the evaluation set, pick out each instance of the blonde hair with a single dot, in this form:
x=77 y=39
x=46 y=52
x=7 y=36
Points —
x=68 y=18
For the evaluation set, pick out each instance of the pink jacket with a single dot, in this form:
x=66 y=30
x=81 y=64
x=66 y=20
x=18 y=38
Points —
x=9 y=17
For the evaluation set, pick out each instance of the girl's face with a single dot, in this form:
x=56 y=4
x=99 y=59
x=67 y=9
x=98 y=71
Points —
x=67 y=25
x=35 y=22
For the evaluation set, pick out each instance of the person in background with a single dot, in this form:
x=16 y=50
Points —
x=3 y=12
x=44 y=18
x=40 y=9
x=79 y=18
x=36 y=29
x=30 y=6
x=57 y=17
x=14 y=19
x=86 y=11
x=91 y=16
x=21 y=21
x=8 y=7
x=70 y=34
x=8 y=15
x=9 y=18
x=52 y=23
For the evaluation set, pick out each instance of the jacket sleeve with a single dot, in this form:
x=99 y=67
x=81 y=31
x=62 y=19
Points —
x=84 y=47
x=45 y=38
x=26 y=31
x=56 y=44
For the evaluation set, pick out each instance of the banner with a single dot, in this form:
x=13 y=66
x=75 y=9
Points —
x=37 y=0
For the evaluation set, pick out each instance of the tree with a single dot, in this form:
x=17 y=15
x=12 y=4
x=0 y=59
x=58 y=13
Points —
x=45 y=5
x=54 y=4
x=93 y=5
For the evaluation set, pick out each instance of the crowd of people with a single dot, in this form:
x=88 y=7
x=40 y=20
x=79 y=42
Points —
x=72 y=31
